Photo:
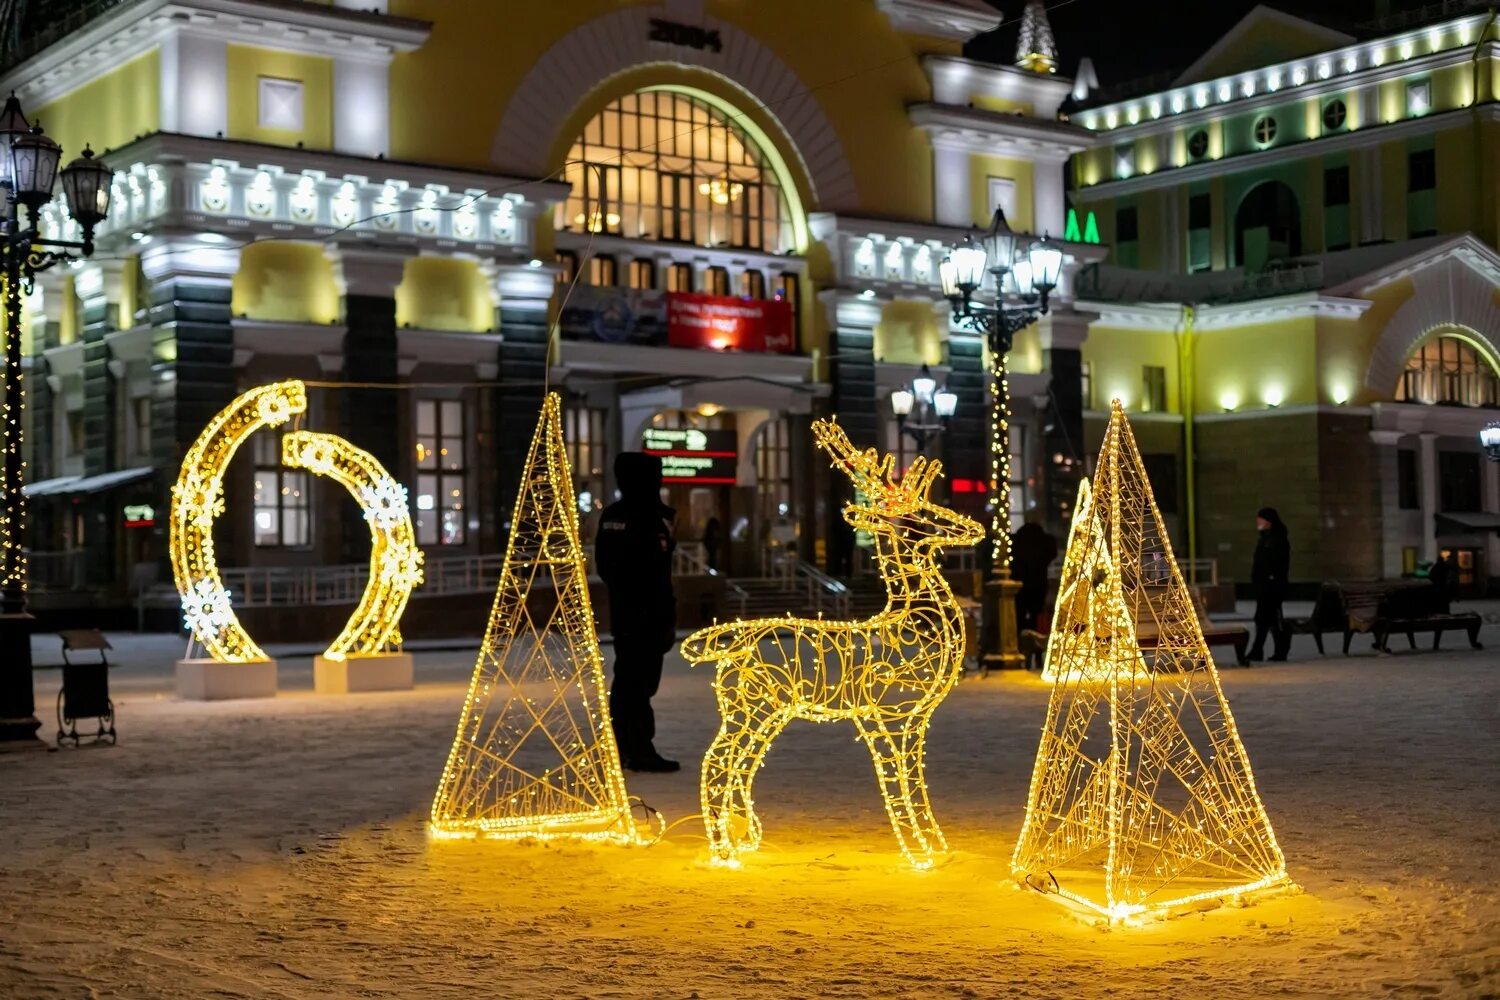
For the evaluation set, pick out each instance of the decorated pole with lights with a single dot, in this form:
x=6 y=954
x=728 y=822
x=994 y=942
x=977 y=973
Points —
x=28 y=172
x=1024 y=275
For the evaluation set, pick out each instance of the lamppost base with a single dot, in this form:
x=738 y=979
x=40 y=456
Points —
x=1000 y=638
x=18 y=721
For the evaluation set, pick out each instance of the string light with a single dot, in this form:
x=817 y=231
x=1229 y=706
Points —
x=1141 y=777
x=198 y=499
x=1000 y=462
x=395 y=560
x=886 y=674
x=534 y=755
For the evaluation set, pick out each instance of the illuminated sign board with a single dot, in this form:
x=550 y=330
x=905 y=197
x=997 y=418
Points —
x=690 y=455
x=139 y=515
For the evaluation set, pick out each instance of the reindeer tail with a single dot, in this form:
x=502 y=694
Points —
x=718 y=643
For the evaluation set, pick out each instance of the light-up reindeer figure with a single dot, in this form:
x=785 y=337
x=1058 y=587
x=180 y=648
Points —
x=886 y=674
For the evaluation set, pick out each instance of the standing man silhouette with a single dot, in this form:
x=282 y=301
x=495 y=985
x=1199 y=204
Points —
x=633 y=551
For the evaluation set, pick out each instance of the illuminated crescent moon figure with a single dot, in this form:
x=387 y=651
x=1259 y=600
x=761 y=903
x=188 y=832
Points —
x=395 y=560
x=198 y=498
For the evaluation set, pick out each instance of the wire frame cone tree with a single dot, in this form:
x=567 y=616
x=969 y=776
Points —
x=534 y=755
x=1142 y=800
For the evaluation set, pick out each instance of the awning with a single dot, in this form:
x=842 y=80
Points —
x=47 y=487
x=1462 y=523
x=74 y=485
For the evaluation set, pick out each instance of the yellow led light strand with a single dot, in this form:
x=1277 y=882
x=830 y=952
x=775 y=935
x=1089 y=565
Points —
x=1000 y=463
x=886 y=674
x=395 y=560
x=198 y=498
x=1141 y=780
x=534 y=755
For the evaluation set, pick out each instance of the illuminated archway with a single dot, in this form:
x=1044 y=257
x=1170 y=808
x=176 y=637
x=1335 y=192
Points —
x=1451 y=366
x=395 y=560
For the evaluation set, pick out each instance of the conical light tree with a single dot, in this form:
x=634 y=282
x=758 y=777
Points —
x=1036 y=49
x=1142 y=800
x=534 y=755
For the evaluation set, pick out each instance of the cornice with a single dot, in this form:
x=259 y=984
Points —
x=956 y=20
x=956 y=80
x=1466 y=248
x=996 y=133
x=1163 y=317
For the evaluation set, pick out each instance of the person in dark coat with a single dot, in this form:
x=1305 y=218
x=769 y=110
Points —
x=1031 y=553
x=633 y=552
x=1273 y=560
x=711 y=533
x=1443 y=575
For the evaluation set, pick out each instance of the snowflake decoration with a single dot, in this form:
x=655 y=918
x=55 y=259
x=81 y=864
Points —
x=206 y=609
x=274 y=409
x=384 y=503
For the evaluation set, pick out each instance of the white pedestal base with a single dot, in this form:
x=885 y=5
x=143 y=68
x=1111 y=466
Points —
x=209 y=680
x=381 y=672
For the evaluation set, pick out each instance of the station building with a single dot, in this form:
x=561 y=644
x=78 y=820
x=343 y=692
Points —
x=704 y=225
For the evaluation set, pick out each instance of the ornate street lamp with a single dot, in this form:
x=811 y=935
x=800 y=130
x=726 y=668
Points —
x=922 y=409
x=1489 y=440
x=1025 y=271
x=29 y=163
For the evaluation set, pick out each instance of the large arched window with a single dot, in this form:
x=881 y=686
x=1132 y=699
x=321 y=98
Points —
x=668 y=166
x=1448 y=370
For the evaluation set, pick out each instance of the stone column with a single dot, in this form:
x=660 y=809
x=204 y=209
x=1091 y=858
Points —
x=1062 y=332
x=523 y=294
x=1491 y=486
x=372 y=419
x=965 y=443
x=99 y=285
x=42 y=315
x=852 y=372
x=1428 y=459
x=951 y=186
x=1387 y=464
x=1049 y=202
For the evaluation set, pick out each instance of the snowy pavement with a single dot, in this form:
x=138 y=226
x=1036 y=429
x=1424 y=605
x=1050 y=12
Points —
x=277 y=848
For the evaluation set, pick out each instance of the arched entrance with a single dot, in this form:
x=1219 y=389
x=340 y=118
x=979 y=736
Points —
x=1267 y=226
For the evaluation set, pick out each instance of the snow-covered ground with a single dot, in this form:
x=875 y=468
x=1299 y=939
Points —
x=277 y=849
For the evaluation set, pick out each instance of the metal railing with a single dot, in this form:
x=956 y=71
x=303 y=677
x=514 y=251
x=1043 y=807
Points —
x=824 y=593
x=282 y=586
x=63 y=570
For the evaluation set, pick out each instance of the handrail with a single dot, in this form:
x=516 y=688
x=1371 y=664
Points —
x=824 y=593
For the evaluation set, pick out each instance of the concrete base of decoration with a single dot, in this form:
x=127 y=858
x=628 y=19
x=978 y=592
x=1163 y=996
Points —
x=210 y=680
x=380 y=672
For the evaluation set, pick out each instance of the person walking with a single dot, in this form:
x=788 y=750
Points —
x=1031 y=553
x=711 y=542
x=633 y=552
x=1273 y=560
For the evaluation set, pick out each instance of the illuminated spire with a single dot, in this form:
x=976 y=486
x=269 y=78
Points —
x=1036 y=49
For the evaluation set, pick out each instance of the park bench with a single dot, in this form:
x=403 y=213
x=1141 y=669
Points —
x=1033 y=644
x=85 y=687
x=1382 y=609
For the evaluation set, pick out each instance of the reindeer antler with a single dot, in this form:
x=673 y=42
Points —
x=874 y=474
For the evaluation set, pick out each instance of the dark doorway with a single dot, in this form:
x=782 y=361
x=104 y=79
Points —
x=1268 y=226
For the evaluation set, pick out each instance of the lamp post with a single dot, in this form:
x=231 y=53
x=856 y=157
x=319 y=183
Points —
x=922 y=409
x=28 y=172
x=1025 y=271
x=1489 y=440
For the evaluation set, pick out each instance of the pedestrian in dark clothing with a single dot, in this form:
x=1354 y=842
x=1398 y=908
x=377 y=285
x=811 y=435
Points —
x=1031 y=553
x=1273 y=560
x=1442 y=574
x=634 y=556
x=711 y=542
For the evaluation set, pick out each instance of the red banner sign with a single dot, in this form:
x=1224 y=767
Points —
x=725 y=324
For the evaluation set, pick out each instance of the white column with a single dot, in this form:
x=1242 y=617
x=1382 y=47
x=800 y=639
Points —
x=1428 y=458
x=1371 y=221
x=1392 y=534
x=950 y=186
x=194 y=84
x=361 y=106
x=1049 y=205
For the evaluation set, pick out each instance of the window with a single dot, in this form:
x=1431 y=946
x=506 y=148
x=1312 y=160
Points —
x=1161 y=473
x=1418 y=98
x=642 y=273
x=584 y=434
x=567 y=266
x=1448 y=370
x=282 y=506
x=718 y=281
x=1458 y=481
x=75 y=432
x=752 y=284
x=1124 y=161
x=1334 y=115
x=1127 y=225
x=1200 y=232
x=1086 y=385
x=664 y=165
x=1421 y=170
x=1336 y=186
x=1408 y=488
x=602 y=271
x=1265 y=130
x=1198 y=144
x=280 y=104
x=680 y=278
x=1200 y=211
x=788 y=291
x=773 y=471
x=441 y=467
x=1154 y=389
x=1003 y=196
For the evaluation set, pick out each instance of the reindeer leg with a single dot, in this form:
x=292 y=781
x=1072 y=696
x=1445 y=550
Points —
x=899 y=757
x=748 y=727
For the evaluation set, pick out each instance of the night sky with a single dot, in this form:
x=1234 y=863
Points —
x=1127 y=41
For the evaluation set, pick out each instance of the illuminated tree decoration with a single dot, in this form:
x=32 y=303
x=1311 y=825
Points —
x=886 y=674
x=395 y=560
x=1141 y=800
x=1036 y=49
x=198 y=498
x=534 y=755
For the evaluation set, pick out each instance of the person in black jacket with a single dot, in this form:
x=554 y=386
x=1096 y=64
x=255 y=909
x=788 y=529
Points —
x=633 y=551
x=1273 y=559
x=1031 y=553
